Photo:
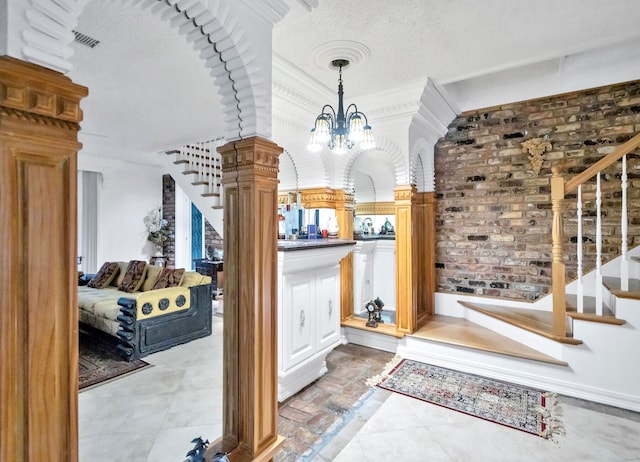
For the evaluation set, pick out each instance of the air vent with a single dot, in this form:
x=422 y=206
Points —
x=85 y=39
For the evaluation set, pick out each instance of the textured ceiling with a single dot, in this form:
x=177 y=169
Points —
x=149 y=90
x=450 y=40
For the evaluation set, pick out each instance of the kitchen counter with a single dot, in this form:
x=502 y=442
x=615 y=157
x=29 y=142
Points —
x=374 y=237
x=307 y=244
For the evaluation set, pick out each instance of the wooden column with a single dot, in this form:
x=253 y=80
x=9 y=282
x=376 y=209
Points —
x=39 y=120
x=344 y=214
x=406 y=271
x=250 y=170
x=424 y=227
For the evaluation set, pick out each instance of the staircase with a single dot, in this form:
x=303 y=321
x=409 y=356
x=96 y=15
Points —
x=582 y=340
x=197 y=169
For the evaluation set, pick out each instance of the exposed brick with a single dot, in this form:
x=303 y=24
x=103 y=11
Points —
x=494 y=215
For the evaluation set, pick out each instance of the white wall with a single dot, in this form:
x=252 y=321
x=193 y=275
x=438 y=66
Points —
x=128 y=192
x=183 y=229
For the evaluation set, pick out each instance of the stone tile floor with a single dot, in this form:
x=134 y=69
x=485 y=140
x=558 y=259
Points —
x=311 y=419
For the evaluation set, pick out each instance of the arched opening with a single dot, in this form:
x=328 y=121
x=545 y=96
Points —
x=149 y=92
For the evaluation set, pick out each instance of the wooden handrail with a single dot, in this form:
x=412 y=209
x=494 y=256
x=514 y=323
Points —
x=603 y=163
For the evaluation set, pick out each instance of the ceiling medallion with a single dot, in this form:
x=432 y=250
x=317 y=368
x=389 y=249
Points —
x=354 y=52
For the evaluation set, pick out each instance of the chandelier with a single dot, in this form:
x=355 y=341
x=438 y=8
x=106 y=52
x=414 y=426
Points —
x=341 y=132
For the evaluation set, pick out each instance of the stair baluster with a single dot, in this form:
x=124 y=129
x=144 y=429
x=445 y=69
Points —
x=624 y=260
x=580 y=288
x=598 y=247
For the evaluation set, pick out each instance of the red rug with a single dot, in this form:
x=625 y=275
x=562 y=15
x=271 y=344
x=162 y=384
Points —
x=526 y=409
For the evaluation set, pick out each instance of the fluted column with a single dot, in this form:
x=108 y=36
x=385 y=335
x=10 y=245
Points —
x=250 y=400
x=39 y=122
x=344 y=215
x=558 y=270
x=406 y=271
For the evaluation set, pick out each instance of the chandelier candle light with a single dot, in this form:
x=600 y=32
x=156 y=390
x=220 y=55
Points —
x=341 y=132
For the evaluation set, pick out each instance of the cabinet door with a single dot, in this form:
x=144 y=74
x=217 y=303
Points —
x=328 y=307
x=298 y=320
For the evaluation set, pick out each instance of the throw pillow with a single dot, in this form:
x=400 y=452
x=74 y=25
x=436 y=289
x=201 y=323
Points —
x=190 y=279
x=152 y=277
x=134 y=277
x=169 y=278
x=120 y=276
x=103 y=278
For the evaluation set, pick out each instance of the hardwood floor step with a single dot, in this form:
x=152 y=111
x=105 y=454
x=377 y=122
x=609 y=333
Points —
x=613 y=284
x=635 y=259
x=589 y=311
x=210 y=194
x=464 y=333
x=536 y=321
x=189 y=172
x=178 y=162
x=198 y=183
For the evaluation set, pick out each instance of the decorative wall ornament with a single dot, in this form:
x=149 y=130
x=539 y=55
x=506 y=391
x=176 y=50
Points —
x=536 y=147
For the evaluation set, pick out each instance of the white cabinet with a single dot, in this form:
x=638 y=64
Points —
x=327 y=308
x=308 y=315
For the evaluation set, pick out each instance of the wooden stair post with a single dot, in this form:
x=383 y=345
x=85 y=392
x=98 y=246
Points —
x=557 y=265
x=39 y=122
x=250 y=388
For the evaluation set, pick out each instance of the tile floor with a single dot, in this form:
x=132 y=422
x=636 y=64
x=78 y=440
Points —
x=152 y=415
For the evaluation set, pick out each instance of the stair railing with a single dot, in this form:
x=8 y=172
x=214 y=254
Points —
x=559 y=190
x=203 y=160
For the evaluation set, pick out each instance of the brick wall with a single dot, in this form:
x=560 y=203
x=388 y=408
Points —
x=494 y=214
x=211 y=236
x=169 y=214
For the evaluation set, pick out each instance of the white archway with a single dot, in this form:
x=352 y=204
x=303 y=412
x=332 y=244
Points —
x=213 y=29
x=422 y=166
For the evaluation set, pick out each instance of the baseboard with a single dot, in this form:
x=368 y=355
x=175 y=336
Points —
x=369 y=339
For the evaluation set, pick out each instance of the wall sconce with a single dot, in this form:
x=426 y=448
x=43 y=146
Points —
x=536 y=147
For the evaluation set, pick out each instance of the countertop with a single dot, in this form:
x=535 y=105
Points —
x=306 y=244
x=374 y=237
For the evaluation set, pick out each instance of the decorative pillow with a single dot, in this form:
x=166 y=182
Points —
x=169 y=278
x=152 y=277
x=190 y=279
x=120 y=276
x=134 y=277
x=103 y=277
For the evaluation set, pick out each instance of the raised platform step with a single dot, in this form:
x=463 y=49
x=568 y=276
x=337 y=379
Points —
x=613 y=284
x=536 y=321
x=464 y=333
x=589 y=311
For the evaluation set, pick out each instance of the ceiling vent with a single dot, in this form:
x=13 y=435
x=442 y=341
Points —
x=85 y=39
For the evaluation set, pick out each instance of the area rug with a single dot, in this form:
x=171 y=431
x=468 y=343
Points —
x=99 y=361
x=526 y=409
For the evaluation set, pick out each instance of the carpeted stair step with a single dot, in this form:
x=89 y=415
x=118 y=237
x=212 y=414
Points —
x=464 y=333
x=535 y=321
x=613 y=284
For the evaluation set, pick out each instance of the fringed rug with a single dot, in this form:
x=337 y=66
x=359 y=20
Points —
x=99 y=360
x=527 y=409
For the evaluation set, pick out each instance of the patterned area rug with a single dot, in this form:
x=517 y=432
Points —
x=99 y=361
x=527 y=409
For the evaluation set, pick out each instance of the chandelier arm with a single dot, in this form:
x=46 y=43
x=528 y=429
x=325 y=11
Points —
x=349 y=115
